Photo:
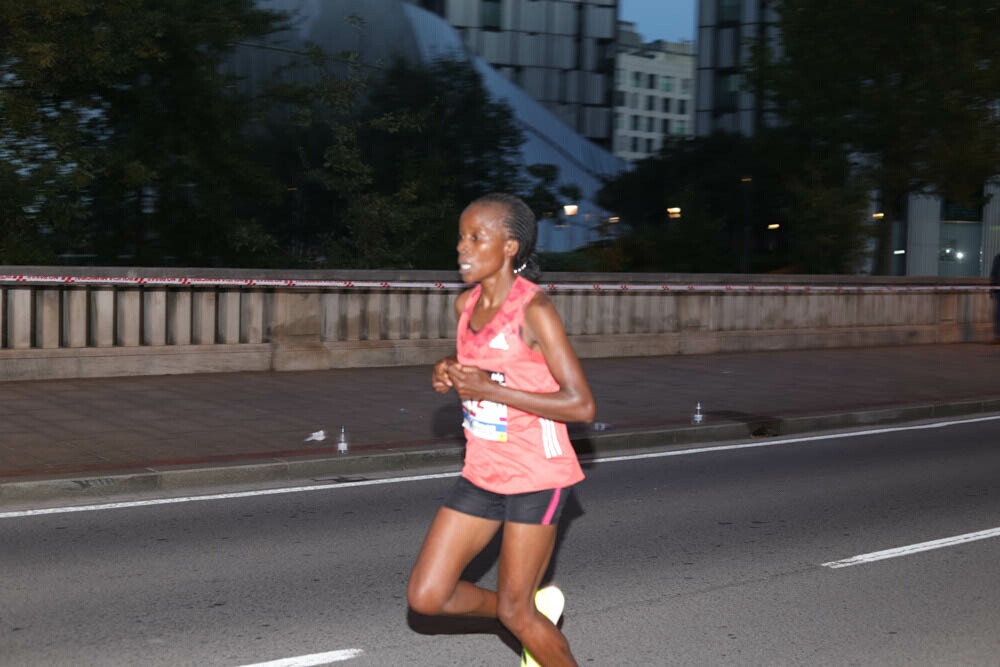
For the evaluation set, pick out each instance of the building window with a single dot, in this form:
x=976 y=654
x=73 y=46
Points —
x=667 y=84
x=730 y=11
x=619 y=77
x=651 y=124
x=682 y=106
x=635 y=144
x=651 y=81
x=634 y=101
x=681 y=127
x=953 y=210
x=489 y=14
x=650 y=103
x=618 y=121
x=649 y=145
x=637 y=79
x=686 y=86
x=635 y=122
x=666 y=105
x=727 y=88
x=619 y=98
x=666 y=126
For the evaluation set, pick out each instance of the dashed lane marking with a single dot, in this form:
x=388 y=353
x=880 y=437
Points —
x=914 y=548
x=313 y=660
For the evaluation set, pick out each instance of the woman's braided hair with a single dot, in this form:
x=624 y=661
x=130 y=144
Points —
x=522 y=225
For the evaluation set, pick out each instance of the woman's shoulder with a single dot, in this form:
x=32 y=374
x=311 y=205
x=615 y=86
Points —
x=463 y=298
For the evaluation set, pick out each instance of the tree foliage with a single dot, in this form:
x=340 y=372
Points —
x=774 y=202
x=702 y=179
x=120 y=133
x=126 y=138
x=910 y=89
x=384 y=159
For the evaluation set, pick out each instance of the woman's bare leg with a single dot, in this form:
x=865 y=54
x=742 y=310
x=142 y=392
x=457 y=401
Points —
x=435 y=587
x=524 y=557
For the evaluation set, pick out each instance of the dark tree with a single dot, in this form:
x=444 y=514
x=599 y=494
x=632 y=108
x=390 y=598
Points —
x=909 y=89
x=121 y=134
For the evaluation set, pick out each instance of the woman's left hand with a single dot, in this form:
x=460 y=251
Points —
x=470 y=382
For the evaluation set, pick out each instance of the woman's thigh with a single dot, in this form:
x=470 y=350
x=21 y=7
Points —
x=452 y=541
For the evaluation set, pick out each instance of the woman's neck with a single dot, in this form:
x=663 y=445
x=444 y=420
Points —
x=495 y=290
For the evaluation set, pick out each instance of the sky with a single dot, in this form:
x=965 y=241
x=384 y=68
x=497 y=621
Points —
x=672 y=20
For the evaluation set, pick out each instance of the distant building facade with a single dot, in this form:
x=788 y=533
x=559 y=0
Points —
x=410 y=32
x=936 y=238
x=725 y=30
x=561 y=52
x=654 y=93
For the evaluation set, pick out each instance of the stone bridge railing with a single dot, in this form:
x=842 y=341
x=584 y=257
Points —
x=59 y=322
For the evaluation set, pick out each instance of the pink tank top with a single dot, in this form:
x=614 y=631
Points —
x=509 y=450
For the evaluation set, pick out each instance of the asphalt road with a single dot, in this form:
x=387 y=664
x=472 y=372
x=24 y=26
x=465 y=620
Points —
x=716 y=556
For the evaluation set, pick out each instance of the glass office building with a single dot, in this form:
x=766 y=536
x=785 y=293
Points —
x=561 y=52
x=394 y=28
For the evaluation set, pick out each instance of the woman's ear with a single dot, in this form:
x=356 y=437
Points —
x=511 y=247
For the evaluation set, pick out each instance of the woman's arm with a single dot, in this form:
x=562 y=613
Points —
x=543 y=331
x=439 y=378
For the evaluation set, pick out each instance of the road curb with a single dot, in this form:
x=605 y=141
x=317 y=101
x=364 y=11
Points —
x=449 y=454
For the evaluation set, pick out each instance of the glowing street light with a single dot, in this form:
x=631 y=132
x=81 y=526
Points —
x=674 y=212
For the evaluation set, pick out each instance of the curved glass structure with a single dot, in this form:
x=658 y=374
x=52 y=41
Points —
x=393 y=29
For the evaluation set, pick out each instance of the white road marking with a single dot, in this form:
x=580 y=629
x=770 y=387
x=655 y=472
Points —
x=222 y=496
x=772 y=442
x=312 y=660
x=914 y=548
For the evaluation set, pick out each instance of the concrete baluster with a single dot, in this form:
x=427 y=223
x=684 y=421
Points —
x=127 y=321
x=19 y=318
x=374 y=312
x=333 y=317
x=154 y=316
x=394 y=315
x=229 y=317
x=203 y=317
x=252 y=317
x=179 y=317
x=102 y=317
x=74 y=317
x=47 y=317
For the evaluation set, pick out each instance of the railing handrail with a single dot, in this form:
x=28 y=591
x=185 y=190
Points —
x=318 y=283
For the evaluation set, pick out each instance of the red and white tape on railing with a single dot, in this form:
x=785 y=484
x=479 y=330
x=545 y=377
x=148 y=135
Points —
x=382 y=284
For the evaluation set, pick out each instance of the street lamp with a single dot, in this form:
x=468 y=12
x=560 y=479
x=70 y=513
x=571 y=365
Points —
x=569 y=210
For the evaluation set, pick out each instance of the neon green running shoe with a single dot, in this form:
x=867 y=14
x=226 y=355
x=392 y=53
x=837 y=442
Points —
x=550 y=601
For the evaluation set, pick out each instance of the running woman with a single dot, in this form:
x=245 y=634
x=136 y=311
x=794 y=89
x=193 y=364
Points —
x=520 y=382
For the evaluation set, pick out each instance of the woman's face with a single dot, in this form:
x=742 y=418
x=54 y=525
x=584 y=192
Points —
x=484 y=245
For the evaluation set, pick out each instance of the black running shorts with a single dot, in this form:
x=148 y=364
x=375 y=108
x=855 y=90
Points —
x=537 y=507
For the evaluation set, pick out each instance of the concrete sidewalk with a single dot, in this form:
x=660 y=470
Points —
x=91 y=438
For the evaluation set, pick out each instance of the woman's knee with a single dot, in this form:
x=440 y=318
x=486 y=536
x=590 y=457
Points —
x=515 y=613
x=424 y=597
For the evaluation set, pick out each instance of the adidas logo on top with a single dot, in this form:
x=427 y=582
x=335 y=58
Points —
x=499 y=342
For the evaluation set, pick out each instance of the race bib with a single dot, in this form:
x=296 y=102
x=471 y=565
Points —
x=486 y=419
